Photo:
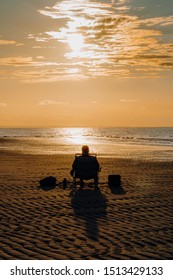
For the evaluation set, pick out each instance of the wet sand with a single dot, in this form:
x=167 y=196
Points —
x=132 y=222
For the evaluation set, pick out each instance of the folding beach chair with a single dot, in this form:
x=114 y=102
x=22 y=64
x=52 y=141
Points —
x=86 y=168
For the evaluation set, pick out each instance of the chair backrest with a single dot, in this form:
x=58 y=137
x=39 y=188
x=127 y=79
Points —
x=86 y=166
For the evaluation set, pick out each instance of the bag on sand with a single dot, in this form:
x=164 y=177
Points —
x=114 y=180
x=48 y=182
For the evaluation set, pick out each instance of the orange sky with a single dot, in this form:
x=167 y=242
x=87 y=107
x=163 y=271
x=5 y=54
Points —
x=86 y=63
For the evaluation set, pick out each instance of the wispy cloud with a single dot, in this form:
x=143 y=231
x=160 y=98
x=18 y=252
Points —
x=9 y=42
x=163 y=21
x=16 y=61
x=49 y=74
x=105 y=34
x=129 y=100
x=48 y=102
x=40 y=70
x=19 y=61
x=68 y=9
x=3 y=104
x=120 y=2
x=94 y=39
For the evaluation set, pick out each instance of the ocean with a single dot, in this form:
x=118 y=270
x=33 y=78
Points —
x=135 y=143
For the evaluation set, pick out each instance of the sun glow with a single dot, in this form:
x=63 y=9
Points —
x=107 y=40
x=76 y=42
x=76 y=135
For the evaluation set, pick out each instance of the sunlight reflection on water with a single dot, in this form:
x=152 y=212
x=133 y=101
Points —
x=136 y=143
x=76 y=136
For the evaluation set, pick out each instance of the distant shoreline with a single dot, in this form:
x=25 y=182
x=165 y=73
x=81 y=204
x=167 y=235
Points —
x=44 y=146
x=149 y=144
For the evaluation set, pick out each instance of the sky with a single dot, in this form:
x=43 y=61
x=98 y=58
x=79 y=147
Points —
x=86 y=63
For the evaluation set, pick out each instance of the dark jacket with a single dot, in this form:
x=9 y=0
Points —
x=85 y=165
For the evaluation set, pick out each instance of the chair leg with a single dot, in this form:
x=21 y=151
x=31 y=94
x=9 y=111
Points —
x=96 y=182
x=81 y=183
x=74 y=185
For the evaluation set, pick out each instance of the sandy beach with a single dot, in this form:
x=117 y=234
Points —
x=133 y=222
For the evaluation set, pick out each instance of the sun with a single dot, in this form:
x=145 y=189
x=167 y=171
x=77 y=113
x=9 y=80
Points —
x=76 y=42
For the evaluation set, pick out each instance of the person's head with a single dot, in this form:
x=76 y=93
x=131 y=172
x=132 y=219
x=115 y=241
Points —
x=85 y=150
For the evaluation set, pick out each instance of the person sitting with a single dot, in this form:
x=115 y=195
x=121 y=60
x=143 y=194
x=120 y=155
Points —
x=85 y=167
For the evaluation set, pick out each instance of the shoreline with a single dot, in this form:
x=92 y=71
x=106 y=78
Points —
x=50 y=147
x=134 y=222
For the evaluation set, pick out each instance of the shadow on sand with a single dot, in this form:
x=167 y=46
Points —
x=117 y=190
x=90 y=206
x=46 y=188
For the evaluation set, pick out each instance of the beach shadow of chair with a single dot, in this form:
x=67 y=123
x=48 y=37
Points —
x=90 y=205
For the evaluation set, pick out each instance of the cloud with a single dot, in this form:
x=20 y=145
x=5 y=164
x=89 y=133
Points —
x=69 y=9
x=19 y=61
x=38 y=71
x=39 y=38
x=50 y=79
x=93 y=39
x=109 y=38
x=163 y=21
x=120 y=2
x=16 y=61
x=129 y=100
x=3 y=104
x=123 y=8
x=9 y=42
x=48 y=102
x=167 y=64
x=49 y=74
x=94 y=102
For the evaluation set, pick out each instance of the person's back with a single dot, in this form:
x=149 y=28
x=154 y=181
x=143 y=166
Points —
x=85 y=166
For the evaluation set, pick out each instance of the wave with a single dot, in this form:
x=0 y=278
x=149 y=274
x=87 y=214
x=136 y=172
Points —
x=129 y=136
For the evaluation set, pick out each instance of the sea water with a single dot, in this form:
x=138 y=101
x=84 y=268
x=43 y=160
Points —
x=135 y=143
